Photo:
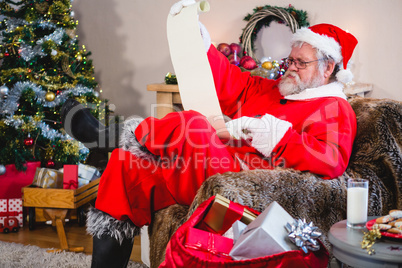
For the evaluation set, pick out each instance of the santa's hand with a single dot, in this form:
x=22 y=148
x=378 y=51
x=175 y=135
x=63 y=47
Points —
x=238 y=127
x=177 y=7
x=265 y=132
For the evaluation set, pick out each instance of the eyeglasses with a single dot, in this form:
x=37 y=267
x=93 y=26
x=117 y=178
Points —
x=299 y=64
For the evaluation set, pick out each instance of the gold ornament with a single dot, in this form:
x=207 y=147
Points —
x=79 y=58
x=70 y=33
x=50 y=96
x=267 y=65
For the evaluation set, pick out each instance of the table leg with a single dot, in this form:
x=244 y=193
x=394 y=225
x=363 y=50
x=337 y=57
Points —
x=58 y=217
x=164 y=102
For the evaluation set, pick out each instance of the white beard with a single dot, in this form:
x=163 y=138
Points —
x=287 y=87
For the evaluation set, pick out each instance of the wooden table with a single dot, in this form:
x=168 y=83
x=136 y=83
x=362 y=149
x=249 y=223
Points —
x=167 y=98
x=56 y=204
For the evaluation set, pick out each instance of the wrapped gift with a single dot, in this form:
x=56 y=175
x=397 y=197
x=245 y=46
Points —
x=89 y=173
x=11 y=208
x=223 y=213
x=13 y=180
x=238 y=228
x=48 y=178
x=70 y=177
x=208 y=245
x=265 y=236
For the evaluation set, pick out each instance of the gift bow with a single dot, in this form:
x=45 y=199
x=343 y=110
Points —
x=72 y=184
x=303 y=235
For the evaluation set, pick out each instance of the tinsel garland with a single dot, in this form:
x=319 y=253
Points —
x=35 y=122
x=9 y=105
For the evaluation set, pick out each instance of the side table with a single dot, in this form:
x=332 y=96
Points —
x=347 y=249
x=167 y=97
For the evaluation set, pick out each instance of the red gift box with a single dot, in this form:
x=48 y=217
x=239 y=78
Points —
x=209 y=245
x=11 y=208
x=13 y=180
x=70 y=177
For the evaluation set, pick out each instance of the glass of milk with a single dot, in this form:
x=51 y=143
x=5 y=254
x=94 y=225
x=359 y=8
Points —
x=357 y=203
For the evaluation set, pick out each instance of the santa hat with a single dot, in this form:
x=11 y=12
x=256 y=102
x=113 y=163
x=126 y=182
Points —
x=333 y=42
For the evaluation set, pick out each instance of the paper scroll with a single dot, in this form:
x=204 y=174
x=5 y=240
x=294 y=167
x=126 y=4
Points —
x=190 y=63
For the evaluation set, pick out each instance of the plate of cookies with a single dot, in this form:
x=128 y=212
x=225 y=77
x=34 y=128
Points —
x=390 y=225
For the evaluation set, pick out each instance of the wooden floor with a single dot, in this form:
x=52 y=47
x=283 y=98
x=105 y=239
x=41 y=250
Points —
x=45 y=236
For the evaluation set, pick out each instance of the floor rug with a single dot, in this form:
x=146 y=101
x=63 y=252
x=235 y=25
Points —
x=13 y=255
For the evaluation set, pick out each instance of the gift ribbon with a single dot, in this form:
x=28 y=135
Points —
x=9 y=214
x=234 y=213
x=210 y=248
x=70 y=184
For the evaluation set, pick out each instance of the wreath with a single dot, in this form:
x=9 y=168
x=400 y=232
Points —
x=263 y=16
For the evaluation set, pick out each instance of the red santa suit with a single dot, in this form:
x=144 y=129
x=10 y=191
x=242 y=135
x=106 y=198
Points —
x=313 y=130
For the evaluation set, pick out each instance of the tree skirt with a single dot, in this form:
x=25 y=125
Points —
x=17 y=255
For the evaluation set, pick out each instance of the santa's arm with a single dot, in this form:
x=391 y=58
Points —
x=233 y=86
x=323 y=146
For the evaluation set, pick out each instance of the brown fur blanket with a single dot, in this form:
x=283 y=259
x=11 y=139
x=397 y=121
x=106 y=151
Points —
x=377 y=156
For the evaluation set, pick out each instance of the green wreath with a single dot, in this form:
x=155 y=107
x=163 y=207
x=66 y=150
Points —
x=263 y=16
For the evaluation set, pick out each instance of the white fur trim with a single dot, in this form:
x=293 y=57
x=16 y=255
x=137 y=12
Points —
x=344 y=76
x=334 y=89
x=177 y=7
x=128 y=140
x=99 y=223
x=326 y=44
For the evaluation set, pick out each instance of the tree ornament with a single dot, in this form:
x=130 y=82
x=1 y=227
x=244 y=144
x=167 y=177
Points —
x=79 y=57
x=4 y=91
x=50 y=96
x=267 y=65
x=28 y=141
x=50 y=163
x=2 y=169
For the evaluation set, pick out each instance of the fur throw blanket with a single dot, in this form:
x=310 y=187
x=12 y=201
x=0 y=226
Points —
x=377 y=156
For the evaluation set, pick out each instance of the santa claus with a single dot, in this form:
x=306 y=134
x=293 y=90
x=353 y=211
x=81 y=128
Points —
x=301 y=121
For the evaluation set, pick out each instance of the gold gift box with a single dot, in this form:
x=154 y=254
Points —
x=216 y=214
x=48 y=178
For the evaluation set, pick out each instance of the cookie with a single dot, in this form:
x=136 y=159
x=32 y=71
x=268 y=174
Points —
x=382 y=227
x=396 y=213
x=384 y=219
x=395 y=231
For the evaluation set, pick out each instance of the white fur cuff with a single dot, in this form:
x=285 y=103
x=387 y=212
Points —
x=268 y=134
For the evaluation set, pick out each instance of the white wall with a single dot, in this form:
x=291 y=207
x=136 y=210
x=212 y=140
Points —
x=129 y=47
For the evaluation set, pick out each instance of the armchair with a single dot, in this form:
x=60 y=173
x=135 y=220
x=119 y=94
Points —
x=376 y=156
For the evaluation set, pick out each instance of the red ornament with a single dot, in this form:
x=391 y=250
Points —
x=28 y=141
x=6 y=54
x=50 y=163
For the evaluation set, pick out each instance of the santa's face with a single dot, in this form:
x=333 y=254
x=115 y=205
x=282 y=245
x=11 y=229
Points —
x=296 y=80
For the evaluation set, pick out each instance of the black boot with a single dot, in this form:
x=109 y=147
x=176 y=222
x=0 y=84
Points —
x=109 y=253
x=80 y=124
x=112 y=239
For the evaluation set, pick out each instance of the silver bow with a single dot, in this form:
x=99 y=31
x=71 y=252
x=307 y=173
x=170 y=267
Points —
x=304 y=235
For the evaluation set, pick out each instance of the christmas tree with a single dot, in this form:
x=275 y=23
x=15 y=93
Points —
x=42 y=65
